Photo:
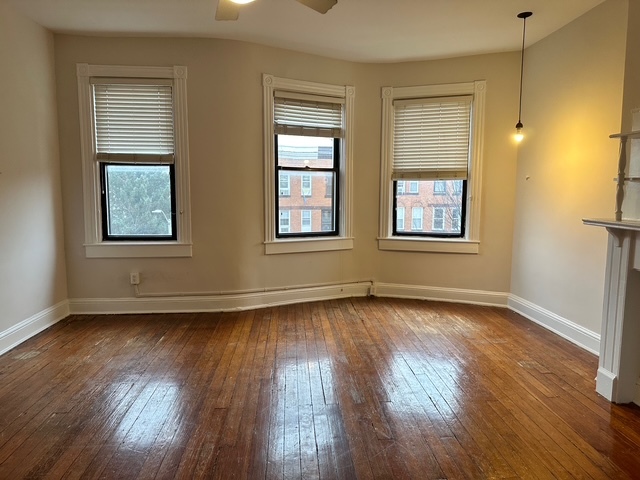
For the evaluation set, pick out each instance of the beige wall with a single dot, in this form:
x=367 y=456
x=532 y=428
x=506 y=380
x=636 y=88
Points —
x=225 y=141
x=572 y=102
x=32 y=262
x=490 y=269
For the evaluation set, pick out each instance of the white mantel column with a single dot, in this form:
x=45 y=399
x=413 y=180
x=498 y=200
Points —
x=619 y=367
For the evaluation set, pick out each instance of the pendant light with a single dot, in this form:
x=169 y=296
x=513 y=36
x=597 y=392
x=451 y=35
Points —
x=523 y=15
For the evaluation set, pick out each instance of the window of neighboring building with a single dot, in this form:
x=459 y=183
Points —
x=133 y=130
x=432 y=138
x=329 y=192
x=305 y=220
x=285 y=184
x=326 y=220
x=438 y=219
x=455 y=219
x=416 y=219
x=309 y=140
x=285 y=221
x=305 y=189
x=400 y=218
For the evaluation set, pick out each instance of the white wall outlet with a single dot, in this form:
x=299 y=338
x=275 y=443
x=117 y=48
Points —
x=134 y=278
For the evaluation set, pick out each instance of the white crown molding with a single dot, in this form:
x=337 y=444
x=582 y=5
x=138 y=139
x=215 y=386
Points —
x=567 y=329
x=33 y=325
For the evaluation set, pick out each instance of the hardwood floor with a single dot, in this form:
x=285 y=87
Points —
x=355 y=388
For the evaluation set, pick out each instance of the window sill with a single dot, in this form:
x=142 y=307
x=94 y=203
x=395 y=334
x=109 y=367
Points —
x=429 y=245
x=308 y=245
x=137 y=250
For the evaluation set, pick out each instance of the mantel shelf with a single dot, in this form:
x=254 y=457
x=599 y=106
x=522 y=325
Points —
x=632 y=134
x=613 y=224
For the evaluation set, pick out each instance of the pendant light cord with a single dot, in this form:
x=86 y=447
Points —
x=524 y=16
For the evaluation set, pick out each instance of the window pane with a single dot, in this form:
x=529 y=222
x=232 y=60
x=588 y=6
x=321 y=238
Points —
x=300 y=151
x=310 y=202
x=138 y=200
x=436 y=207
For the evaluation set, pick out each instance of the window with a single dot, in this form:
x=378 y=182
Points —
x=400 y=218
x=438 y=219
x=455 y=219
x=285 y=184
x=328 y=187
x=135 y=161
x=432 y=138
x=308 y=138
x=305 y=221
x=285 y=221
x=416 y=219
x=305 y=190
x=326 y=220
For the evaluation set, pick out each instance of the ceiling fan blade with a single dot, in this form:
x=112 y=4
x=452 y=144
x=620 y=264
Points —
x=227 y=10
x=320 y=6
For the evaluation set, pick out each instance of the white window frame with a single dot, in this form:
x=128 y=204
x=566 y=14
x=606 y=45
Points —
x=471 y=242
x=400 y=213
x=95 y=246
x=419 y=217
x=413 y=187
x=441 y=218
x=401 y=187
x=344 y=241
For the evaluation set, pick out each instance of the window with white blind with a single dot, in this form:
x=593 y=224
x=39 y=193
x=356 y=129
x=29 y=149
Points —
x=307 y=140
x=432 y=138
x=133 y=129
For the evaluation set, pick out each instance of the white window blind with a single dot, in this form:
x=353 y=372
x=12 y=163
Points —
x=431 y=138
x=310 y=115
x=134 y=122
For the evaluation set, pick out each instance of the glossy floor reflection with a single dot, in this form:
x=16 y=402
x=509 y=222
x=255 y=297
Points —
x=354 y=388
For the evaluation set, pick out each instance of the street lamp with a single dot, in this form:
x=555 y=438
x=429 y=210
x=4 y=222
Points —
x=165 y=217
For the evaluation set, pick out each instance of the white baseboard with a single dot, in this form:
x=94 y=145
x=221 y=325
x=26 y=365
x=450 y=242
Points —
x=573 y=332
x=217 y=303
x=457 y=295
x=33 y=325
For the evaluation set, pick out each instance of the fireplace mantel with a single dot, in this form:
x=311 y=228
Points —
x=619 y=363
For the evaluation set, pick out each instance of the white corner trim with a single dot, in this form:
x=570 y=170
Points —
x=567 y=329
x=33 y=325
x=217 y=303
x=457 y=295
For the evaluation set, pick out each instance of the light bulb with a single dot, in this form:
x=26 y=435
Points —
x=519 y=136
x=242 y=2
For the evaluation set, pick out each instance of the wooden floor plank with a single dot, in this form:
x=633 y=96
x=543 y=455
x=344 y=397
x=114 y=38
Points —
x=352 y=388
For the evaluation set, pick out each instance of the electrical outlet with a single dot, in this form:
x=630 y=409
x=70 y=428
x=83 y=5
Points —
x=134 y=278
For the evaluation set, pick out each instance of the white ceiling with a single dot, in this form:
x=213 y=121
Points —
x=357 y=30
